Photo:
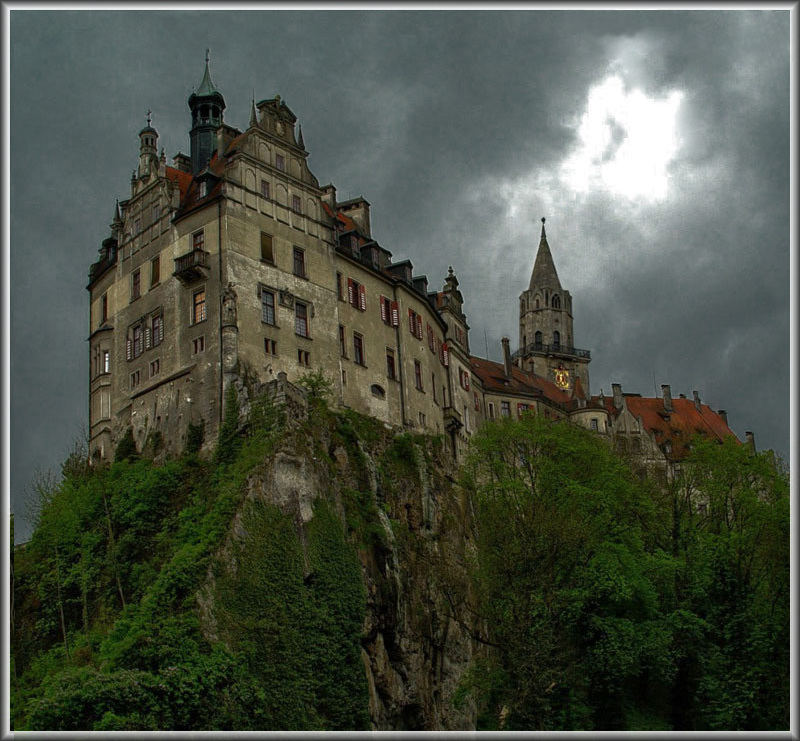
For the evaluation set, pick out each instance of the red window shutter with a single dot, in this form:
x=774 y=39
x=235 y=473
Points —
x=350 y=295
x=419 y=327
x=129 y=349
x=466 y=380
x=395 y=314
x=362 y=297
x=446 y=354
x=384 y=318
x=411 y=322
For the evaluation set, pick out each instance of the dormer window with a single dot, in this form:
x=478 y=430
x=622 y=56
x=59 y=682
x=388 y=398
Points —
x=203 y=189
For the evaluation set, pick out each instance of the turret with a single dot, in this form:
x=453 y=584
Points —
x=148 y=149
x=206 y=104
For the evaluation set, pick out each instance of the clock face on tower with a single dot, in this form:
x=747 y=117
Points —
x=562 y=378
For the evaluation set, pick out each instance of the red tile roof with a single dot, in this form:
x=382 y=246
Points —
x=182 y=179
x=492 y=376
x=679 y=426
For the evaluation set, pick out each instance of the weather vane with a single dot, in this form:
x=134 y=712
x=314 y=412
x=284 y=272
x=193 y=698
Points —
x=148 y=116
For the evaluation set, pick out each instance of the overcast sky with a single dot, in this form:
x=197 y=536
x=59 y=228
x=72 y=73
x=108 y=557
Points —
x=656 y=143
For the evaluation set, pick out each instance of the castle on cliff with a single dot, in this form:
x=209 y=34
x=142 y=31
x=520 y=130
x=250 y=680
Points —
x=233 y=260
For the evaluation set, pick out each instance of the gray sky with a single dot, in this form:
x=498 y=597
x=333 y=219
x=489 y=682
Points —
x=656 y=143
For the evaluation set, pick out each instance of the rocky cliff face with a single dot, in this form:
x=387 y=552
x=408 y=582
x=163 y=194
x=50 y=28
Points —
x=400 y=506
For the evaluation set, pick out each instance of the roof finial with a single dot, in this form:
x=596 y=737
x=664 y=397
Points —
x=253 y=118
x=207 y=55
x=149 y=112
x=300 y=141
x=543 y=234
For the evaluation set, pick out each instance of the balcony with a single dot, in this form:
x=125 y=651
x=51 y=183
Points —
x=189 y=267
x=539 y=348
x=452 y=419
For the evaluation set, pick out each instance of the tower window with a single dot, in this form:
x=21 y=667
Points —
x=556 y=302
x=301 y=319
x=106 y=362
x=537 y=302
x=199 y=306
x=266 y=247
x=299 y=262
x=537 y=339
x=556 y=339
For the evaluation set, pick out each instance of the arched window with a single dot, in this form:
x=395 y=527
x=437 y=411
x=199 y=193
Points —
x=524 y=341
x=537 y=302
x=377 y=391
x=537 y=339
x=556 y=302
x=556 y=339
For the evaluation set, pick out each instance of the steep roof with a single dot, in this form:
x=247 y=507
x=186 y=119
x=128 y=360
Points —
x=544 y=273
x=677 y=427
x=492 y=376
x=182 y=179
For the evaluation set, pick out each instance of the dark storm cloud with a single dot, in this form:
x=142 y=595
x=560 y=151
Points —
x=454 y=126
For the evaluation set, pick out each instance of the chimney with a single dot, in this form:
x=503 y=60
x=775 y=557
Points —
x=722 y=413
x=506 y=357
x=696 y=400
x=667 y=397
x=750 y=441
x=616 y=390
x=329 y=195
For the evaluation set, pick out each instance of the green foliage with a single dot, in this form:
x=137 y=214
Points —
x=229 y=441
x=126 y=447
x=319 y=389
x=194 y=437
x=611 y=606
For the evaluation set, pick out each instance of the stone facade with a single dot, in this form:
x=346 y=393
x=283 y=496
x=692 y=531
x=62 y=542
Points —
x=234 y=262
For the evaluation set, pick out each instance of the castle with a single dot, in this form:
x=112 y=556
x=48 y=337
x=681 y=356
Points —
x=234 y=259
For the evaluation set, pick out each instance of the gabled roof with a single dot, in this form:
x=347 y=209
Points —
x=492 y=377
x=182 y=179
x=677 y=427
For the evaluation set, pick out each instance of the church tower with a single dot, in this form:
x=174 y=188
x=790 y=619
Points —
x=546 y=345
x=206 y=104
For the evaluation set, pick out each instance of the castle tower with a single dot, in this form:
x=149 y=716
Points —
x=546 y=344
x=148 y=149
x=206 y=104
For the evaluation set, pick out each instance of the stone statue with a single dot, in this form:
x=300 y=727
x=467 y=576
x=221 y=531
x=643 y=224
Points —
x=229 y=306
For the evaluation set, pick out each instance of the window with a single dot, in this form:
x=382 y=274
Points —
x=342 y=345
x=280 y=163
x=388 y=311
x=390 y=371
x=104 y=308
x=421 y=419
x=199 y=344
x=339 y=287
x=358 y=349
x=537 y=339
x=135 y=378
x=199 y=306
x=270 y=346
x=463 y=379
x=433 y=387
x=555 y=302
x=491 y=410
x=137 y=340
x=156 y=212
x=266 y=247
x=267 y=307
x=377 y=391
x=556 y=339
x=505 y=409
x=156 y=329
x=136 y=285
x=344 y=377
x=198 y=240
x=521 y=408
x=302 y=356
x=264 y=189
x=415 y=324
x=356 y=294
x=593 y=424
x=105 y=404
x=106 y=361
x=418 y=375
x=155 y=367
x=299 y=262
x=297 y=205
x=301 y=319
x=155 y=271
x=204 y=189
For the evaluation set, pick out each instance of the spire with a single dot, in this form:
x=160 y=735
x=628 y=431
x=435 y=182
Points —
x=206 y=86
x=544 y=273
x=253 y=118
x=300 y=142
